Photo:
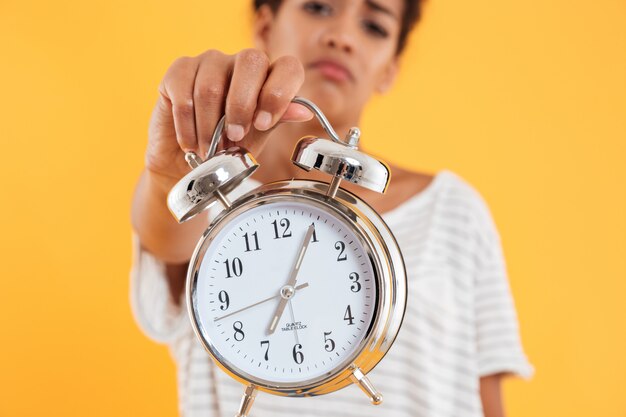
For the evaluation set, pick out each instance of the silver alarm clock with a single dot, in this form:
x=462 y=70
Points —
x=298 y=288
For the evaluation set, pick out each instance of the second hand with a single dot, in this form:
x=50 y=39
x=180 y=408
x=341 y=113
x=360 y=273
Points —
x=299 y=287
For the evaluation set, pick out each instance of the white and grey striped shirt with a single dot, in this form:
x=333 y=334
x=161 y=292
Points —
x=460 y=321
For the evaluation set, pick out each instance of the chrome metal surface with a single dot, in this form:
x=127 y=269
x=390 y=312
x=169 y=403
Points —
x=287 y=292
x=354 y=134
x=201 y=188
x=366 y=386
x=212 y=180
x=341 y=161
x=220 y=173
x=351 y=139
x=222 y=198
x=192 y=160
x=333 y=187
x=215 y=139
x=382 y=251
x=321 y=117
x=246 y=401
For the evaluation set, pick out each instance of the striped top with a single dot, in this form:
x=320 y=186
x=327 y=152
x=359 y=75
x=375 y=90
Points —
x=460 y=322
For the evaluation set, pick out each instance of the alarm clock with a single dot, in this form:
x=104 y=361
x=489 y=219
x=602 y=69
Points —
x=297 y=288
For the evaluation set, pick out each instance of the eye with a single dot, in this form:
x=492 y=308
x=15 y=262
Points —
x=317 y=8
x=375 y=29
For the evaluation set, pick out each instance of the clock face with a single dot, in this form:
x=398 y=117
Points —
x=243 y=278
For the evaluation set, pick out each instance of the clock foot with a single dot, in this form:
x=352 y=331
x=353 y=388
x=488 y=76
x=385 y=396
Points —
x=364 y=383
x=246 y=401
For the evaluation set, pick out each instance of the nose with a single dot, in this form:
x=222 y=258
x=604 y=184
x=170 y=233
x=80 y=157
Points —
x=339 y=38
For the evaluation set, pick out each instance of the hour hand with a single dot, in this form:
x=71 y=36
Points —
x=279 y=312
x=287 y=291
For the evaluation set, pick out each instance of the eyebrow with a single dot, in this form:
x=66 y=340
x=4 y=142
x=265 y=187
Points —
x=380 y=8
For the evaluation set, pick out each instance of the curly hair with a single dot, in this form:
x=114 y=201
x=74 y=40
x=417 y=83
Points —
x=410 y=17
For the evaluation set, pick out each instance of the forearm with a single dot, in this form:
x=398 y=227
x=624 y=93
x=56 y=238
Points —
x=491 y=395
x=158 y=231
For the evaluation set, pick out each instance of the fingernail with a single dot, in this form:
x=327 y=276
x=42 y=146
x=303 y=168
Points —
x=234 y=132
x=263 y=120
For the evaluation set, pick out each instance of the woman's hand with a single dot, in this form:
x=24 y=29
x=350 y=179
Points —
x=196 y=91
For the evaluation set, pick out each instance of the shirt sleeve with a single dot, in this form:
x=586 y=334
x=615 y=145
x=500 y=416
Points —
x=153 y=308
x=499 y=347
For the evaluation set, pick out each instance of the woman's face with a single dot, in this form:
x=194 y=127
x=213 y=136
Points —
x=347 y=48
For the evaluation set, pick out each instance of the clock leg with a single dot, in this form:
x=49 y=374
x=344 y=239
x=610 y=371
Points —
x=364 y=383
x=246 y=401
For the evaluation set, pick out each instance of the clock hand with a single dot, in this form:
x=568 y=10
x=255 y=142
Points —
x=299 y=287
x=293 y=320
x=285 y=291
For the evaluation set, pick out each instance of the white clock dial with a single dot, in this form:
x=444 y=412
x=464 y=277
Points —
x=239 y=284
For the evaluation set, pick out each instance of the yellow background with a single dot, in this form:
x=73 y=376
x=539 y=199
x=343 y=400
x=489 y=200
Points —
x=524 y=99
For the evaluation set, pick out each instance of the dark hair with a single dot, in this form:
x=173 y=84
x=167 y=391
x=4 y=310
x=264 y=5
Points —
x=410 y=16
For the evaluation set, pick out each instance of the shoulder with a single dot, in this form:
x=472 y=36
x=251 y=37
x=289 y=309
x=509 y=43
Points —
x=449 y=186
x=480 y=221
x=454 y=198
x=465 y=193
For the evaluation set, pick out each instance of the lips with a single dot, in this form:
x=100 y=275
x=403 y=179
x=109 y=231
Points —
x=333 y=70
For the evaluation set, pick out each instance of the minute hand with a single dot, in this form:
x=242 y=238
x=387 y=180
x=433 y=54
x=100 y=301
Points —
x=292 y=278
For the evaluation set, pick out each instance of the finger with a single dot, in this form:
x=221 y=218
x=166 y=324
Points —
x=296 y=113
x=162 y=143
x=249 y=74
x=255 y=143
x=285 y=78
x=177 y=87
x=209 y=94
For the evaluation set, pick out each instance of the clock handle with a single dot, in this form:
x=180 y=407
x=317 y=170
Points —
x=352 y=139
x=358 y=377
x=246 y=401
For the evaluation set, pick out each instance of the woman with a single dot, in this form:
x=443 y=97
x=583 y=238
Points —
x=460 y=333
